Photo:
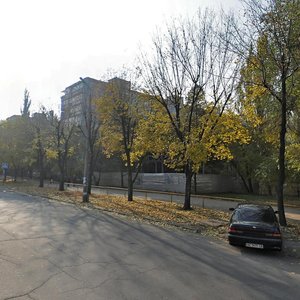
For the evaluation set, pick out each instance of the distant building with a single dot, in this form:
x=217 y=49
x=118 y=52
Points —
x=74 y=102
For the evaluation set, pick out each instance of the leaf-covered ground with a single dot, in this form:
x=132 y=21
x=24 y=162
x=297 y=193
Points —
x=205 y=221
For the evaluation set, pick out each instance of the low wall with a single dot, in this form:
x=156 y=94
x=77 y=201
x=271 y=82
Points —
x=175 y=182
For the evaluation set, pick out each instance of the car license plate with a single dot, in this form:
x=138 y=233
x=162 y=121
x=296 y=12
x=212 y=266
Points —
x=258 y=246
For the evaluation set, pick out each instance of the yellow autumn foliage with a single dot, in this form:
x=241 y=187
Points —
x=210 y=136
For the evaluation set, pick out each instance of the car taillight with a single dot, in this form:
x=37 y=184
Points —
x=231 y=230
x=234 y=230
x=274 y=234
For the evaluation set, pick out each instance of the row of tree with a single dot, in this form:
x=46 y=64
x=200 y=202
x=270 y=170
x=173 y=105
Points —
x=212 y=88
x=222 y=88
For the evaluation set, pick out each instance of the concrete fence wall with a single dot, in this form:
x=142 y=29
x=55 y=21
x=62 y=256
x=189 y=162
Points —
x=175 y=182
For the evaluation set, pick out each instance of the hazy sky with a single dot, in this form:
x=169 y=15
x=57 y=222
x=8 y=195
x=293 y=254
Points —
x=46 y=45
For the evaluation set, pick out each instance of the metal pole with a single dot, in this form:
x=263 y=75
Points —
x=86 y=169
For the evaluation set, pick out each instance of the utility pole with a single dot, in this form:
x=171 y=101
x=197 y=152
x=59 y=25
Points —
x=87 y=154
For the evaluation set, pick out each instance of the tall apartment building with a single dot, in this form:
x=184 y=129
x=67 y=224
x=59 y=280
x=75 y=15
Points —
x=74 y=105
x=75 y=101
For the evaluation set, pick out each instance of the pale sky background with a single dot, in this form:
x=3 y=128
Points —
x=46 y=45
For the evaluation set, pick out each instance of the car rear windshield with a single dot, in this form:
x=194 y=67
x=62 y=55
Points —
x=253 y=214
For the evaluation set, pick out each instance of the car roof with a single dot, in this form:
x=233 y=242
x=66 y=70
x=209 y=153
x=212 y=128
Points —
x=255 y=206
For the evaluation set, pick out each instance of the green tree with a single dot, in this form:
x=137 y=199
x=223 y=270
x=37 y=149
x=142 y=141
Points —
x=252 y=161
x=25 y=111
x=15 y=141
x=293 y=142
x=41 y=124
x=271 y=36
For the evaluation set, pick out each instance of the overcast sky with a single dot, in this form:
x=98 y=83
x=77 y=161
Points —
x=46 y=45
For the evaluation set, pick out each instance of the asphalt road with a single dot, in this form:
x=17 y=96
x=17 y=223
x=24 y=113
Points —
x=51 y=250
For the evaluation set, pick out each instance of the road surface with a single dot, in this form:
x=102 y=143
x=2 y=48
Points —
x=50 y=250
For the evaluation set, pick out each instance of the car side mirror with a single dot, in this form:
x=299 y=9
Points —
x=231 y=209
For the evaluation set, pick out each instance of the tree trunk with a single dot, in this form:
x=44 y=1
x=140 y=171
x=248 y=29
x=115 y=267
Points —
x=15 y=174
x=30 y=173
x=250 y=185
x=234 y=164
x=91 y=170
x=130 y=184
x=122 y=176
x=249 y=179
x=188 y=186
x=4 y=174
x=62 y=181
x=41 y=182
x=41 y=167
x=281 y=175
x=244 y=183
x=269 y=189
x=61 y=185
x=90 y=179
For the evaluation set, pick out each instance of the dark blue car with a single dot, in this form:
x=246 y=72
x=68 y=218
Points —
x=254 y=226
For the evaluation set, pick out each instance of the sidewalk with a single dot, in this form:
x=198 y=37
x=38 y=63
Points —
x=291 y=212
